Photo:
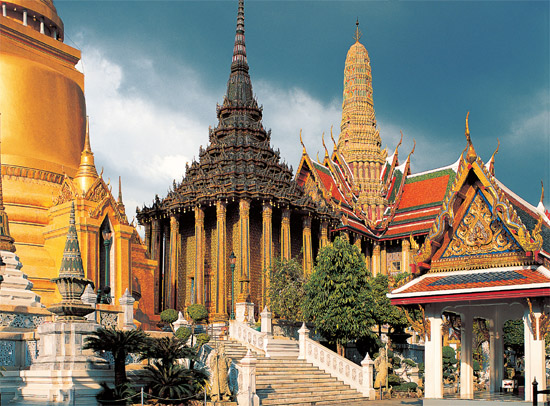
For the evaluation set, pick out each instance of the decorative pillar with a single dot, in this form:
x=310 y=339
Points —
x=244 y=254
x=4 y=9
x=306 y=237
x=127 y=303
x=41 y=25
x=148 y=237
x=303 y=334
x=267 y=244
x=221 y=261
x=155 y=255
x=534 y=352
x=433 y=354
x=324 y=234
x=496 y=353
x=170 y=278
x=285 y=234
x=246 y=395
x=466 y=357
x=383 y=260
x=267 y=326
x=199 y=255
x=405 y=255
x=367 y=390
x=376 y=259
x=24 y=17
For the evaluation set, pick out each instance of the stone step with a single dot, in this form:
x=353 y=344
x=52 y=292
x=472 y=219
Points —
x=306 y=391
x=276 y=399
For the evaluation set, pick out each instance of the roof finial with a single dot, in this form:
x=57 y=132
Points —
x=412 y=151
x=357 y=32
x=332 y=138
x=399 y=143
x=471 y=155
x=492 y=160
x=541 y=191
x=302 y=142
x=324 y=145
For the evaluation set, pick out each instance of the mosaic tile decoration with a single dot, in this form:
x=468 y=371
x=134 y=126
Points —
x=478 y=278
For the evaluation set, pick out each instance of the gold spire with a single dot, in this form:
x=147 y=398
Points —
x=6 y=240
x=302 y=142
x=87 y=173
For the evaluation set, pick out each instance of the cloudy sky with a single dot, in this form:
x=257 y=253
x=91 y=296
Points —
x=156 y=69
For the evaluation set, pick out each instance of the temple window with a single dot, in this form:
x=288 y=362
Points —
x=106 y=257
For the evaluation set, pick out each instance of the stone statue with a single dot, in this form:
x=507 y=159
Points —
x=219 y=368
x=381 y=365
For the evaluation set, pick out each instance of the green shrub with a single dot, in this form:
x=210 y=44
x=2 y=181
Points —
x=405 y=387
x=409 y=362
x=113 y=396
x=197 y=312
x=183 y=333
x=169 y=316
x=202 y=339
x=393 y=380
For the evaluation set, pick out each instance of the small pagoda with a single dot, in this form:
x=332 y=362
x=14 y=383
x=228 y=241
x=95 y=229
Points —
x=240 y=198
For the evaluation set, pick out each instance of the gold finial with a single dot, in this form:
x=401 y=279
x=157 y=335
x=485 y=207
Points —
x=400 y=140
x=302 y=142
x=357 y=32
x=87 y=147
x=541 y=191
x=492 y=160
x=318 y=157
x=412 y=151
x=324 y=146
x=332 y=138
x=471 y=155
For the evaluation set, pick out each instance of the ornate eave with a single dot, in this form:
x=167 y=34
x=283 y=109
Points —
x=475 y=196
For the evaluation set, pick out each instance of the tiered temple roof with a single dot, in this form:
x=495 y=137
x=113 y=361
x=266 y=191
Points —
x=239 y=161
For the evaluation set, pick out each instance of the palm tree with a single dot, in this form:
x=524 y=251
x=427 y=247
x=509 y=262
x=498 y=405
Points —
x=120 y=343
x=167 y=350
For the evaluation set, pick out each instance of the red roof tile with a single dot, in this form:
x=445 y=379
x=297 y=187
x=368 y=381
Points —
x=424 y=192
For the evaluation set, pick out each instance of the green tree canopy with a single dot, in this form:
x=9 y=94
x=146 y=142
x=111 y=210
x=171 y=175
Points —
x=383 y=312
x=286 y=289
x=338 y=294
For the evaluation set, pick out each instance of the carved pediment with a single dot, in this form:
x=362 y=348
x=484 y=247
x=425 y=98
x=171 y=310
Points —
x=480 y=233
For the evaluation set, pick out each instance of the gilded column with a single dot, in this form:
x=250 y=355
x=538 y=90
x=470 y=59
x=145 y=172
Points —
x=357 y=242
x=199 y=255
x=155 y=255
x=170 y=296
x=267 y=244
x=155 y=239
x=324 y=234
x=285 y=234
x=306 y=237
x=148 y=237
x=376 y=259
x=221 y=260
x=244 y=255
x=383 y=260
x=405 y=255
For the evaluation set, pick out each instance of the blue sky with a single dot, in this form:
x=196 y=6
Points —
x=156 y=69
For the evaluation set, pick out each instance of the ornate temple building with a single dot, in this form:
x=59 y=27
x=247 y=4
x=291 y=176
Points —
x=47 y=162
x=239 y=199
x=382 y=207
x=486 y=257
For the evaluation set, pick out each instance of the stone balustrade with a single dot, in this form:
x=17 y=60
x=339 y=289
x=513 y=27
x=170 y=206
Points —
x=357 y=377
x=247 y=335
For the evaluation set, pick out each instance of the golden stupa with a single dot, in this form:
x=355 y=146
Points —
x=47 y=162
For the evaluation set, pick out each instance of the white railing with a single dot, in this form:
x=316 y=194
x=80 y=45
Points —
x=358 y=377
x=247 y=335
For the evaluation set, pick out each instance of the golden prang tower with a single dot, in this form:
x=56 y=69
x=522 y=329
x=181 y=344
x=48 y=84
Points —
x=359 y=141
x=47 y=162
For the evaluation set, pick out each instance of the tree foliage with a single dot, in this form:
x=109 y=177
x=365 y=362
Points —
x=286 y=289
x=197 y=312
x=120 y=343
x=449 y=363
x=513 y=334
x=383 y=312
x=338 y=294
